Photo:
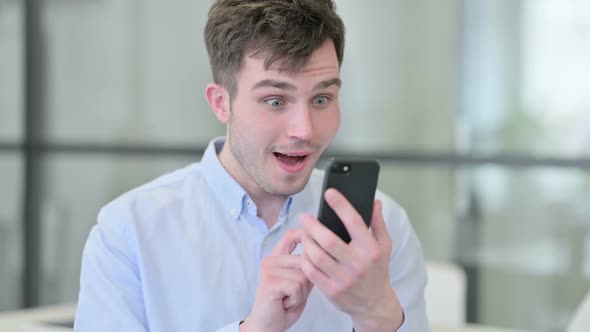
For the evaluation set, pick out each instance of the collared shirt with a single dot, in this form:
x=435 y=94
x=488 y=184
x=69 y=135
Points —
x=182 y=253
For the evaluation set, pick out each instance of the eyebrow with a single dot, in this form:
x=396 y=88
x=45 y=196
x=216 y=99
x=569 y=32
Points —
x=290 y=87
x=324 y=84
x=274 y=84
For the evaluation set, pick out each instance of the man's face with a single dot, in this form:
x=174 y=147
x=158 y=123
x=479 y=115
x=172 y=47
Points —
x=281 y=122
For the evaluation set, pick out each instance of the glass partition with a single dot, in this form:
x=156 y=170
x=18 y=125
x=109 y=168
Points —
x=11 y=70
x=11 y=244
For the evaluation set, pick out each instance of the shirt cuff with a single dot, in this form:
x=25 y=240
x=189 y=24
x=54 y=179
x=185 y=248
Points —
x=401 y=327
x=404 y=327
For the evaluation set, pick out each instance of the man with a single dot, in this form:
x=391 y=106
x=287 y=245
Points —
x=232 y=243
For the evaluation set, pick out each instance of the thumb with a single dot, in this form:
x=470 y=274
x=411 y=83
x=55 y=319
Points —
x=378 y=227
x=287 y=243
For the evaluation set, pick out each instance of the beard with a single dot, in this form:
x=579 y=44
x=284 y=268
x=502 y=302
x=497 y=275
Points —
x=252 y=162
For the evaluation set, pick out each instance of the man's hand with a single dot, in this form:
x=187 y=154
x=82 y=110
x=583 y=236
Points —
x=283 y=288
x=354 y=276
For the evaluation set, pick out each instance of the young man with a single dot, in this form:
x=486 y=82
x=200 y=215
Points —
x=232 y=243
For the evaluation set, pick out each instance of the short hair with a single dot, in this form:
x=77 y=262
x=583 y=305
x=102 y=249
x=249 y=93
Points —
x=283 y=31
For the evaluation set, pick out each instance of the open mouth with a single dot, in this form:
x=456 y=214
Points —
x=290 y=159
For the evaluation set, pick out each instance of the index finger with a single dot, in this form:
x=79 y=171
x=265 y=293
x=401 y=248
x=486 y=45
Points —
x=352 y=220
x=287 y=243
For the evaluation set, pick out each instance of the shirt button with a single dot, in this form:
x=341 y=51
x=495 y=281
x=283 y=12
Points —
x=249 y=202
x=265 y=242
x=234 y=213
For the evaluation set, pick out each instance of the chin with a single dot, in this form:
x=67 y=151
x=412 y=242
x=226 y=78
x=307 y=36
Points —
x=286 y=191
x=294 y=187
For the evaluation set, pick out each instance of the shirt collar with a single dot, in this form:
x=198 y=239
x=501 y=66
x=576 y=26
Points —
x=228 y=191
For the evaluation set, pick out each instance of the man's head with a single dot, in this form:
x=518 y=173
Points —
x=284 y=31
x=276 y=65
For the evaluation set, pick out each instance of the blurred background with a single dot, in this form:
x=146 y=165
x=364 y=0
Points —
x=478 y=110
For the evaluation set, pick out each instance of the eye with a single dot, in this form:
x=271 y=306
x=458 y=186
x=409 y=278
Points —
x=321 y=100
x=275 y=102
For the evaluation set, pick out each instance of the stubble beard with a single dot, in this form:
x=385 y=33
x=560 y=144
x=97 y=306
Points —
x=255 y=172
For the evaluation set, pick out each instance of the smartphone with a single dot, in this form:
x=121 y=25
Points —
x=356 y=179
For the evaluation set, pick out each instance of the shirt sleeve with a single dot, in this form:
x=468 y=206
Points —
x=233 y=327
x=407 y=268
x=110 y=296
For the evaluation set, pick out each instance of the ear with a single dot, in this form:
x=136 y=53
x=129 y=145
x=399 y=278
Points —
x=219 y=101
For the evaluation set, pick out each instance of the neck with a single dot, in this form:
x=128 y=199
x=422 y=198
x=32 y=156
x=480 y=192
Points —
x=268 y=205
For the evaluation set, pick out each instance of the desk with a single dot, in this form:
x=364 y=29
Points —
x=35 y=320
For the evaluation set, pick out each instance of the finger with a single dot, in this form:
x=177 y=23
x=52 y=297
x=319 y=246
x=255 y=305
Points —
x=291 y=302
x=324 y=237
x=309 y=286
x=297 y=307
x=293 y=293
x=322 y=259
x=287 y=243
x=378 y=227
x=294 y=275
x=314 y=274
x=282 y=262
x=351 y=219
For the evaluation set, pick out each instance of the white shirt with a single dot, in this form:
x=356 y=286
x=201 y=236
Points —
x=182 y=253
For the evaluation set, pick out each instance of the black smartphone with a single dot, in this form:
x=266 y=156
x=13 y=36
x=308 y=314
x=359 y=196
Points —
x=356 y=179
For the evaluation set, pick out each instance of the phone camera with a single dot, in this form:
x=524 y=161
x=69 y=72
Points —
x=341 y=168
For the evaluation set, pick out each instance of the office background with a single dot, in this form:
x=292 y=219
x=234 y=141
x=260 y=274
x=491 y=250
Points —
x=479 y=111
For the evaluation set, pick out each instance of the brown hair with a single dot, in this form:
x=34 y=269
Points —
x=287 y=31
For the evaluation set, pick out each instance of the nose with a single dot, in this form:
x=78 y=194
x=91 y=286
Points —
x=300 y=124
